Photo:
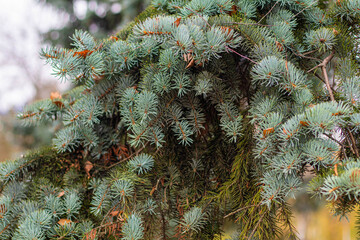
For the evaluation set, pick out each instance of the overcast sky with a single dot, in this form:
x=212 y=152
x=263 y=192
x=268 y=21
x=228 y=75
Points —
x=20 y=43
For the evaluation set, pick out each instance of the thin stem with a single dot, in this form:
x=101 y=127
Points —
x=350 y=144
x=257 y=225
x=303 y=9
x=248 y=24
x=108 y=213
x=326 y=77
x=268 y=11
x=238 y=210
x=353 y=142
x=338 y=142
x=304 y=56
x=318 y=76
x=310 y=52
x=232 y=50
x=327 y=83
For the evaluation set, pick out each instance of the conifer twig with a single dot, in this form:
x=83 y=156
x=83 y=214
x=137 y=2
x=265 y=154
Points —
x=304 y=56
x=310 y=52
x=256 y=226
x=338 y=142
x=108 y=213
x=269 y=11
x=303 y=9
x=319 y=77
x=326 y=77
x=238 y=210
x=249 y=24
x=353 y=143
x=232 y=50
x=322 y=65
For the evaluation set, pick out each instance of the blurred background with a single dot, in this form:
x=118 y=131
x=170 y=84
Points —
x=29 y=25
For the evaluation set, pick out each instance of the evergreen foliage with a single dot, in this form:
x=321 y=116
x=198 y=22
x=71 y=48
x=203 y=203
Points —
x=198 y=112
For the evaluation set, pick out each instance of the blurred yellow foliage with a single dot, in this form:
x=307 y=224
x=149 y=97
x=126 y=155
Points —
x=321 y=225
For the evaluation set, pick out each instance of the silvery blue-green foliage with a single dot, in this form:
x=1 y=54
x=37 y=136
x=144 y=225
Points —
x=185 y=81
x=193 y=220
x=191 y=39
x=24 y=219
x=302 y=132
x=247 y=8
x=83 y=40
x=56 y=212
x=204 y=84
x=11 y=170
x=122 y=188
x=149 y=207
x=206 y=7
x=307 y=129
x=72 y=204
x=350 y=90
x=348 y=10
x=34 y=225
x=344 y=184
x=317 y=17
x=322 y=39
x=284 y=16
x=141 y=164
x=133 y=229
